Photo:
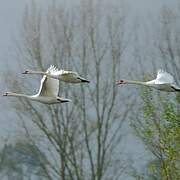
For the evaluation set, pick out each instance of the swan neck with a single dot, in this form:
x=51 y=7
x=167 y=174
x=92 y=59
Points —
x=19 y=95
x=135 y=82
x=44 y=73
x=38 y=72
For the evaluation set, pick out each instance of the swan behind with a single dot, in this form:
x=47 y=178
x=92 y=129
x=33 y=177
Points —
x=62 y=75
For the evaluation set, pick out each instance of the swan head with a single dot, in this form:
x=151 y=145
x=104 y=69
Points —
x=7 y=94
x=120 y=82
x=26 y=72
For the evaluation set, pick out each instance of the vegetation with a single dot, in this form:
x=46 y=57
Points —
x=159 y=130
x=158 y=121
x=22 y=161
x=82 y=140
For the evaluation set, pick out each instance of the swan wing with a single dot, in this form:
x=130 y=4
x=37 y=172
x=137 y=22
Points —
x=67 y=73
x=55 y=71
x=49 y=86
x=164 y=78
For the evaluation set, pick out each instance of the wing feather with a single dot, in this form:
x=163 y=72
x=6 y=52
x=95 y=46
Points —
x=64 y=73
x=164 y=78
x=49 y=86
x=54 y=70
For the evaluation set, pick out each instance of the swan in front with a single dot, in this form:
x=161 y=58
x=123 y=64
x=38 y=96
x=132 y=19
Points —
x=48 y=91
x=164 y=82
x=62 y=75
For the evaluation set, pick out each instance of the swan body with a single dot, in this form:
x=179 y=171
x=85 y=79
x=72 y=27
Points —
x=62 y=75
x=48 y=91
x=164 y=82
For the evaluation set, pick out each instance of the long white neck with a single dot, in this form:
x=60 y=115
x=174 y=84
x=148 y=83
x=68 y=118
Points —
x=43 y=73
x=19 y=95
x=38 y=72
x=138 y=82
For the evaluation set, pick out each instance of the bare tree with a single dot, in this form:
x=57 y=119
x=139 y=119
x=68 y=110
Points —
x=21 y=160
x=80 y=140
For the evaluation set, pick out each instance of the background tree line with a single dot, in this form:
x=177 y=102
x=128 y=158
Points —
x=83 y=139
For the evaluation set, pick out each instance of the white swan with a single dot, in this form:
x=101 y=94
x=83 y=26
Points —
x=48 y=91
x=62 y=75
x=163 y=82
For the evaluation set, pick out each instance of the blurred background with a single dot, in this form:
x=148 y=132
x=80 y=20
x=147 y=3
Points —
x=107 y=132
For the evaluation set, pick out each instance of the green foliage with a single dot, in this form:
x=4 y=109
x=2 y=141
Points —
x=159 y=129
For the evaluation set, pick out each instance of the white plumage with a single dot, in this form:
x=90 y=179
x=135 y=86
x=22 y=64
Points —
x=49 y=87
x=164 y=78
x=164 y=81
x=48 y=91
x=62 y=75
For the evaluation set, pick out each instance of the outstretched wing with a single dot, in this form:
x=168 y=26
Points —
x=66 y=73
x=62 y=72
x=49 y=86
x=164 y=78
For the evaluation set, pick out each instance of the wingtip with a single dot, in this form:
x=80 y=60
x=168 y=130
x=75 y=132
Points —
x=160 y=71
x=5 y=94
x=85 y=81
x=63 y=100
x=52 y=68
x=66 y=100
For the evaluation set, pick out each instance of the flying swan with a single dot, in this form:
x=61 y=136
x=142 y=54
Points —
x=62 y=75
x=48 y=91
x=163 y=82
